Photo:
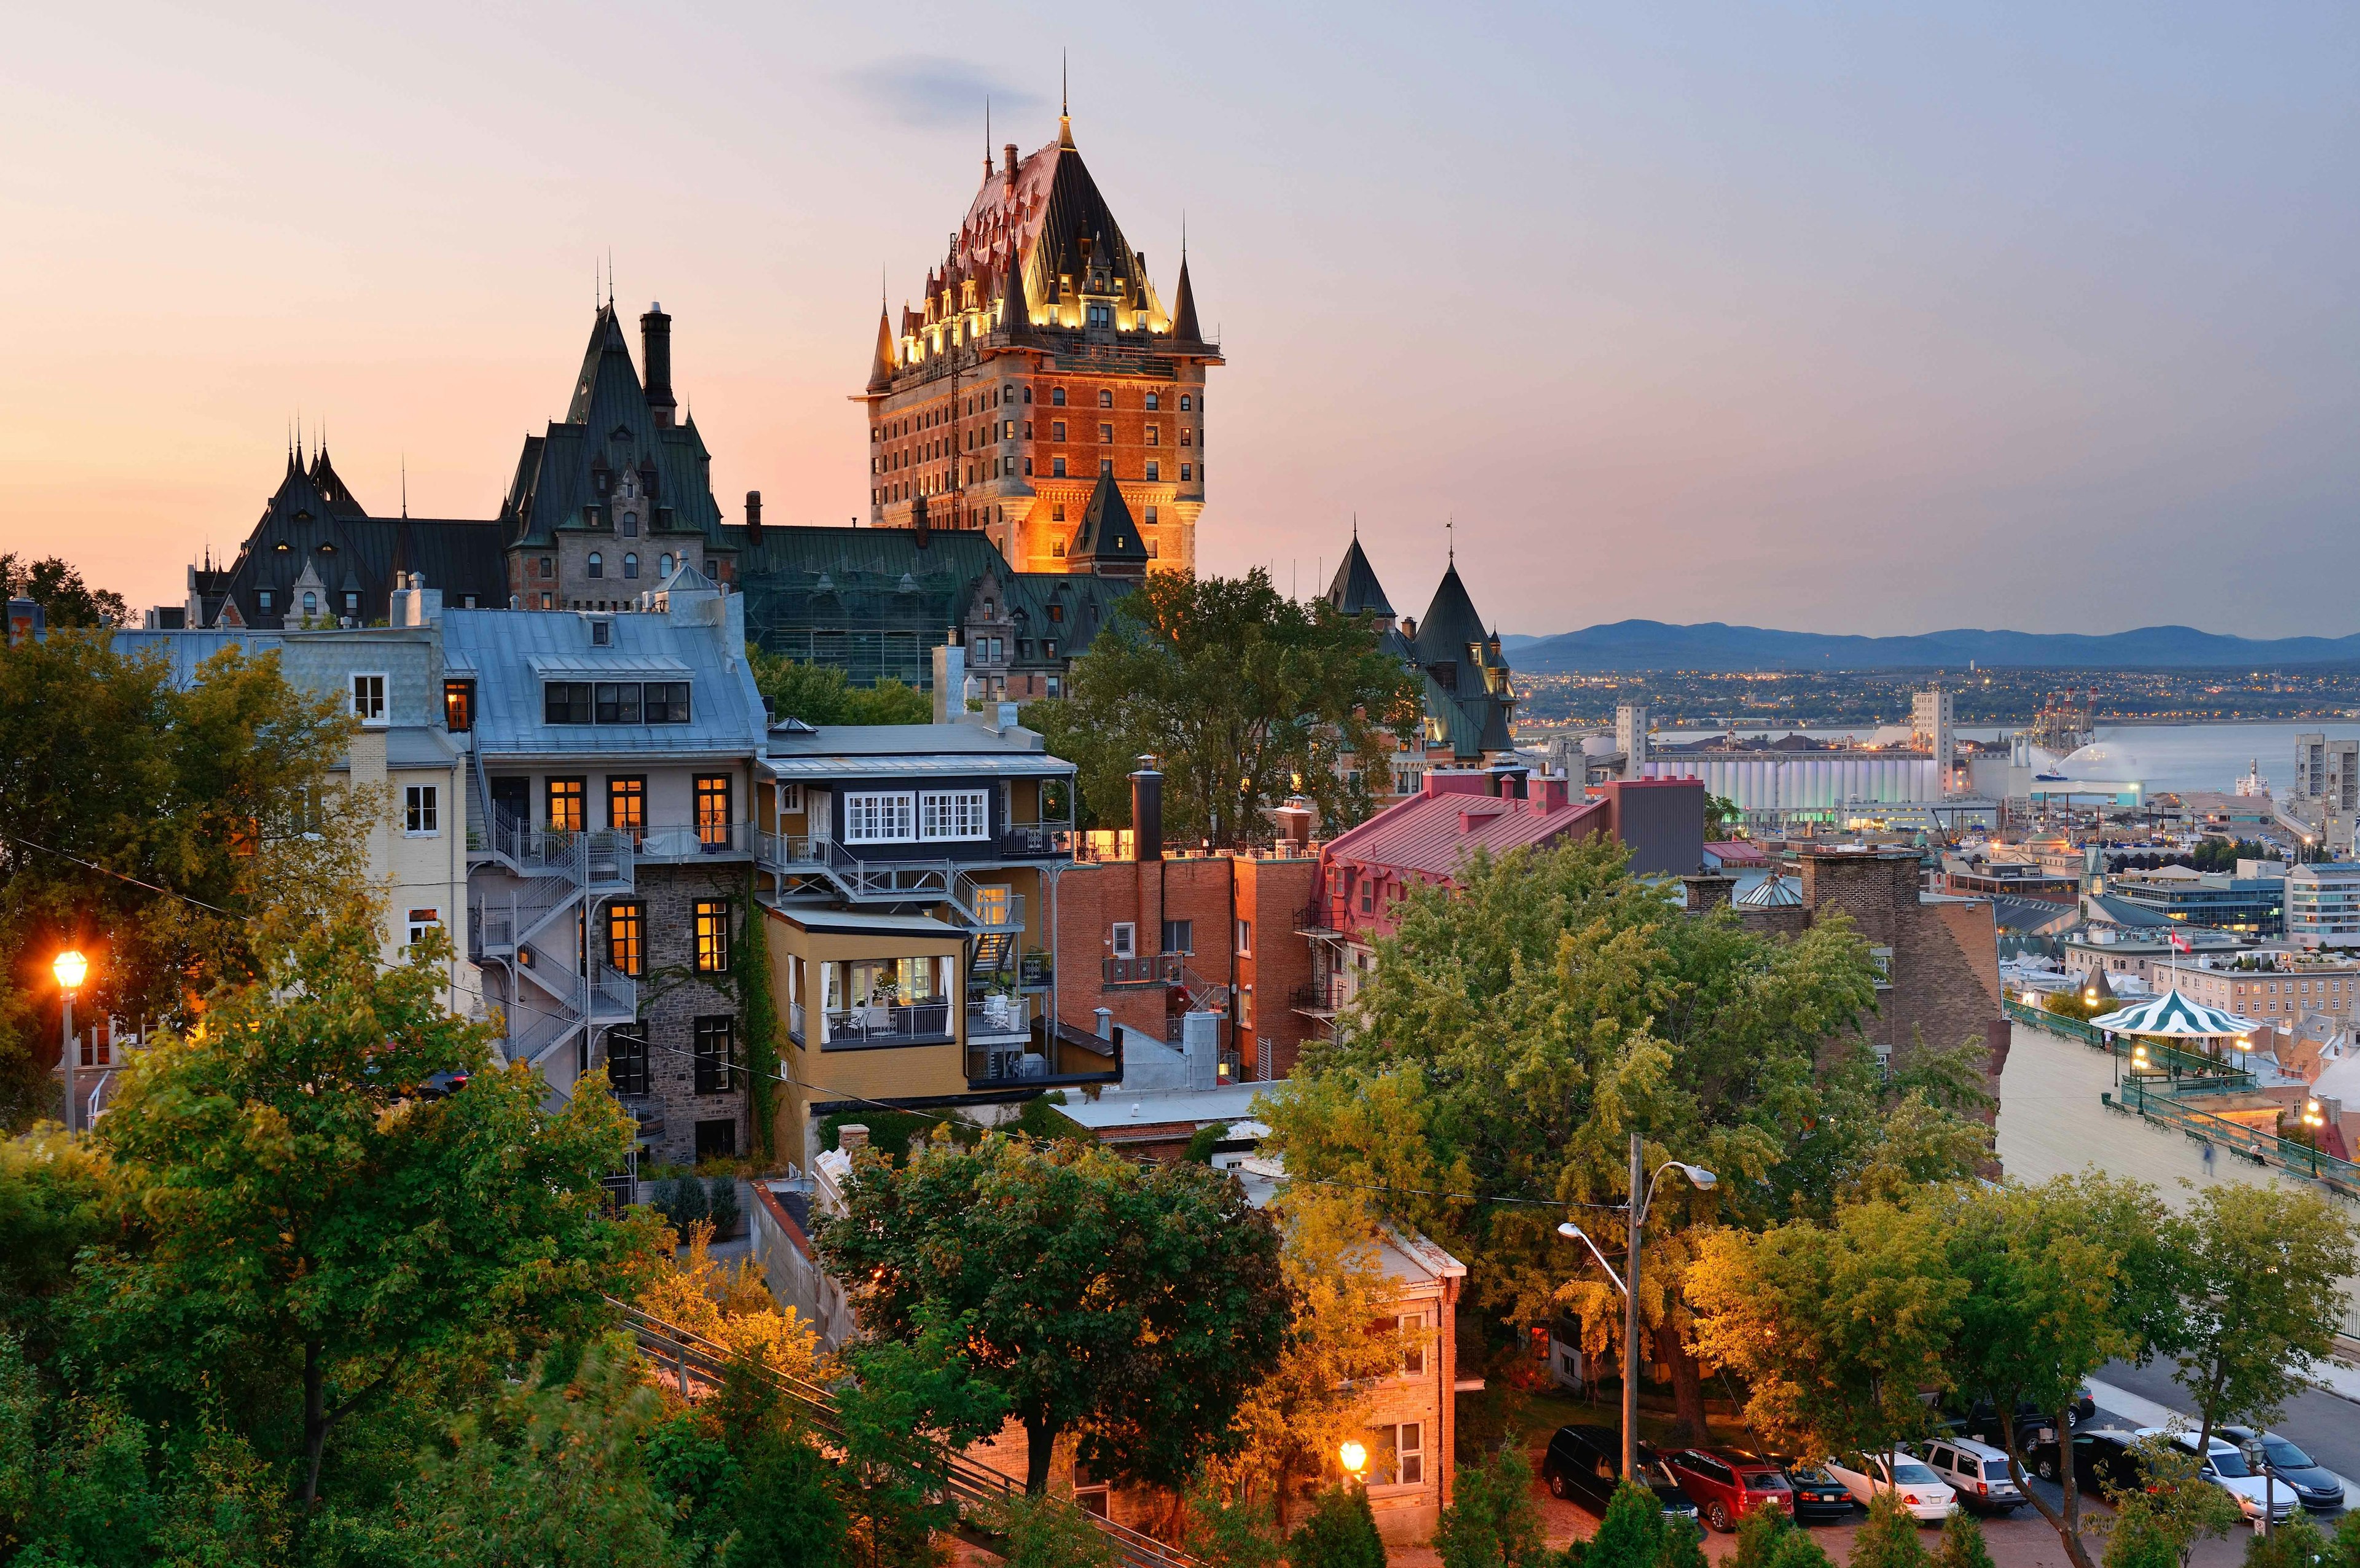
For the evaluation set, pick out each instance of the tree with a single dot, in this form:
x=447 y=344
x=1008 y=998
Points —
x=296 y=1229
x=1340 y=1533
x=2298 y=1544
x=113 y=784
x=2265 y=1268
x=1047 y=1532
x=2058 y=1279
x=1133 y=1308
x=548 y=1472
x=56 y=585
x=1521 y=1024
x=1889 y=1538
x=821 y=694
x=1492 y=1521
x=1293 y=1418
x=1722 y=815
x=1836 y=1329
x=2172 y=1507
x=1247 y=697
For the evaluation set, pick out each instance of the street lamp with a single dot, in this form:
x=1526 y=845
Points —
x=70 y=968
x=1628 y=1283
x=1355 y=1457
x=2257 y=1460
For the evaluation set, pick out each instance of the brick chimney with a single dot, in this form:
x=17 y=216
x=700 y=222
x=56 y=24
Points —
x=1147 y=812
x=851 y=1136
x=655 y=348
x=753 y=517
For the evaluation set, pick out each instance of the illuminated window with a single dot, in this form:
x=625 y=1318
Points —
x=712 y=810
x=627 y=937
x=712 y=938
x=626 y=804
x=1155 y=435
x=565 y=805
x=459 y=705
x=420 y=922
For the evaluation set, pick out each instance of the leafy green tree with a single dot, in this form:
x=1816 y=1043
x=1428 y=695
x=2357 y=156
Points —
x=296 y=1232
x=2172 y=1507
x=2265 y=1268
x=922 y=1385
x=1232 y=1531
x=225 y=793
x=1047 y=1532
x=548 y=1472
x=56 y=585
x=1836 y=1329
x=2058 y=1279
x=821 y=693
x=1519 y=1027
x=2298 y=1543
x=1246 y=695
x=52 y=1201
x=1492 y=1521
x=1889 y=1537
x=1132 y=1308
x=1340 y=1533
x=1963 y=1543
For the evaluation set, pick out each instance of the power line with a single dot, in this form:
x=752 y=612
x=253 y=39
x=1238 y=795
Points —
x=108 y=871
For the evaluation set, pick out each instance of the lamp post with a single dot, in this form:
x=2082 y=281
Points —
x=2257 y=1460
x=70 y=968
x=1629 y=1282
x=1354 y=1456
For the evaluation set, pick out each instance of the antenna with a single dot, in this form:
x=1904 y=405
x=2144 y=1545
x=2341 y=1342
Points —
x=405 y=485
x=1451 y=539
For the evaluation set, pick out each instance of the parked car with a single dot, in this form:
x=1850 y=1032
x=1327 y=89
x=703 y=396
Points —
x=1584 y=1464
x=2033 y=1424
x=2225 y=1467
x=1979 y=1474
x=1818 y=1495
x=2314 y=1486
x=2101 y=1459
x=1927 y=1495
x=1727 y=1485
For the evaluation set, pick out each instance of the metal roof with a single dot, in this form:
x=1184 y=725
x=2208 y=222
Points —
x=853 y=923
x=505 y=649
x=1433 y=834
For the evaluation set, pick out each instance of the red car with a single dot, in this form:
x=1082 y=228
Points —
x=1727 y=1485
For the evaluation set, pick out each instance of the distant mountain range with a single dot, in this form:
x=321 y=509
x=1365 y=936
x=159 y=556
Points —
x=1655 y=644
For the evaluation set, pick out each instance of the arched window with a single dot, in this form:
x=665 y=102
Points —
x=1186 y=402
x=1057 y=397
x=597 y=564
x=1106 y=398
x=630 y=567
x=630 y=525
x=311 y=603
x=663 y=567
x=1154 y=401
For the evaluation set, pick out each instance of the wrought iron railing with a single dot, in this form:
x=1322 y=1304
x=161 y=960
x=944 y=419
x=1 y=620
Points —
x=2149 y=1096
x=887 y=1023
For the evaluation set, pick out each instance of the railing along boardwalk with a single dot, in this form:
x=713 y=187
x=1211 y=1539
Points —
x=696 y=1366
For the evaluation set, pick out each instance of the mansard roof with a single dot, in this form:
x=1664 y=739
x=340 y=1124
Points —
x=609 y=427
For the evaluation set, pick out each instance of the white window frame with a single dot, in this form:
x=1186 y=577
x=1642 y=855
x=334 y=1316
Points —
x=1411 y=1326
x=881 y=816
x=417 y=927
x=954 y=816
x=791 y=799
x=368 y=702
x=1245 y=938
x=1880 y=959
x=1124 y=938
x=1405 y=1457
x=421 y=812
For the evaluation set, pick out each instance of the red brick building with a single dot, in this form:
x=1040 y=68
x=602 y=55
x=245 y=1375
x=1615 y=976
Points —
x=1040 y=358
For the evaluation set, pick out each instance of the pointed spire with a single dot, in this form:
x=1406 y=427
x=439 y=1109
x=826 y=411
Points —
x=987 y=139
x=1016 y=308
x=880 y=366
x=1065 y=106
x=1183 y=306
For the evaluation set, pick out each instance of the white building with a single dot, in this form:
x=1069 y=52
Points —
x=2323 y=904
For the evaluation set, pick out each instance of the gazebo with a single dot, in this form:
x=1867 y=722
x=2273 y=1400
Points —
x=2173 y=1017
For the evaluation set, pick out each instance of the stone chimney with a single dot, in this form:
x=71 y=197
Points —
x=655 y=348
x=1007 y=163
x=851 y=1136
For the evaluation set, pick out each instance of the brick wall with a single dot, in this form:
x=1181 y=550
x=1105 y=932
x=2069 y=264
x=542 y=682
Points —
x=672 y=996
x=1093 y=897
x=1273 y=894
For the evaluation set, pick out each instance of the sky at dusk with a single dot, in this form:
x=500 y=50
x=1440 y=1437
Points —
x=2035 y=316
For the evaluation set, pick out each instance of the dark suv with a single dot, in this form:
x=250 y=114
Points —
x=1585 y=1463
x=2101 y=1459
x=1727 y=1485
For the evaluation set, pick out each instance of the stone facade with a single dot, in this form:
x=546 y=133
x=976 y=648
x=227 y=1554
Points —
x=672 y=996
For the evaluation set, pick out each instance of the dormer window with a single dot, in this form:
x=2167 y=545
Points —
x=602 y=634
x=369 y=697
x=327 y=549
x=283 y=547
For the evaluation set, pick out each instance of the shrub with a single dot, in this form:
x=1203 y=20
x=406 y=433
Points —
x=1889 y=1539
x=1340 y=1533
x=1758 y=1534
x=721 y=1204
x=1963 y=1543
x=1492 y=1521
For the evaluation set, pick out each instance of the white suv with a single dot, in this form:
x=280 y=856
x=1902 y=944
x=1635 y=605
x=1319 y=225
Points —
x=2225 y=1467
x=1979 y=1473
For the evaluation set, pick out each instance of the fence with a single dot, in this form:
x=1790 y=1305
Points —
x=2166 y=1108
x=2170 y=1059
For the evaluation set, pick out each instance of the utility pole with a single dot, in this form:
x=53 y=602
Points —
x=1631 y=1323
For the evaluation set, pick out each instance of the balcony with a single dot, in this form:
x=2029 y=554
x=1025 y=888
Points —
x=997 y=1019
x=1155 y=969
x=1323 y=918
x=1036 y=840
x=886 y=1023
x=1317 y=1000
x=1056 y=1056
x=687 y=844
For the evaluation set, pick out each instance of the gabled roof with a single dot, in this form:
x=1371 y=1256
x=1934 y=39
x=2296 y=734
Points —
x=1355 y=587
x=1430 y=834
x=1108 y=543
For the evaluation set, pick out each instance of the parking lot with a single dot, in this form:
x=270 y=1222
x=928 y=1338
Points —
x=2020 y=1540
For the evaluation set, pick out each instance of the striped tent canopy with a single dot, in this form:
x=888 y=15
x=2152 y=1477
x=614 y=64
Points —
x=2175 y=1016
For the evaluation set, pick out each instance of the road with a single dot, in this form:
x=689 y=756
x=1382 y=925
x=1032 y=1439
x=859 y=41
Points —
x=2326 y=1426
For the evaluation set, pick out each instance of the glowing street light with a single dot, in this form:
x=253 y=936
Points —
x=1355 y=1457
x=72 y=969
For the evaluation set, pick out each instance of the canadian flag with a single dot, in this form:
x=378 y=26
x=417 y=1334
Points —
x=2180 y=942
